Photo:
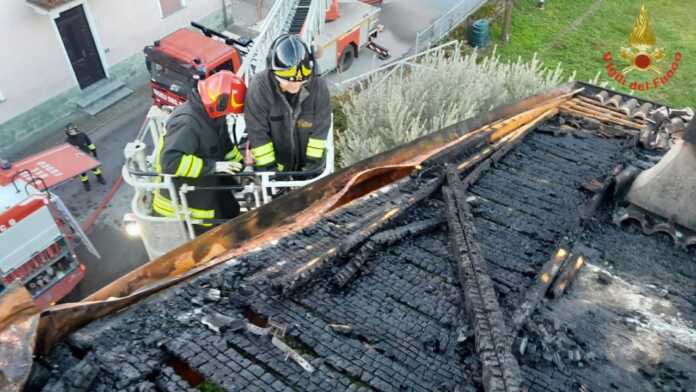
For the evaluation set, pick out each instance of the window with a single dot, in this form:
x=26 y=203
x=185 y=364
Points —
x=226 y=66
x=168 y=7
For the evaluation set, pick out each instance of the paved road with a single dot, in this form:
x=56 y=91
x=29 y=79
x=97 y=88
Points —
x=121 y=254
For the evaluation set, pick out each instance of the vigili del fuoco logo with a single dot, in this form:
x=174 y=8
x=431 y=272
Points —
x=643 y=56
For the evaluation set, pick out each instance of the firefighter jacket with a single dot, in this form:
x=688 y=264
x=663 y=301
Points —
x=188 y=149
x=83 y=142
x=291 y=137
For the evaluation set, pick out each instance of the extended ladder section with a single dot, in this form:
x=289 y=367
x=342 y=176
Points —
x=305 y=17
x=276 y=23
x=301 y=13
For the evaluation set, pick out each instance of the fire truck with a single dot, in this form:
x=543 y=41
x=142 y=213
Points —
x=38 y=234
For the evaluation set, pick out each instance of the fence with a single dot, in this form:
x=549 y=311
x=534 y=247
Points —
x=398 y=65
x=446 y=23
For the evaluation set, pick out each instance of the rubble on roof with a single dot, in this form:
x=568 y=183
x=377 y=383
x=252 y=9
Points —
x=383 y=295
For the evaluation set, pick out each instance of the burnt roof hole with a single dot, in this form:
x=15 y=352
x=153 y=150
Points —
x=77 y=352
x=253 y=317
x=183 y=370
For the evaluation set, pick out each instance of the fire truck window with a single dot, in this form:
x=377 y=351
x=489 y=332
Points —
x=226 y=66
x=157 y=70
x=168 y=7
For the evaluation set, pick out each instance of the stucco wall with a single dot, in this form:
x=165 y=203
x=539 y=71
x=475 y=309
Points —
x=126 y=26
x=36 y=67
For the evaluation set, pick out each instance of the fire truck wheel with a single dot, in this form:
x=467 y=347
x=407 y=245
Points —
x=346 y=59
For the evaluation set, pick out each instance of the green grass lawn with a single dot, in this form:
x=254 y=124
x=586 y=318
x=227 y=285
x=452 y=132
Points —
x=577 y=33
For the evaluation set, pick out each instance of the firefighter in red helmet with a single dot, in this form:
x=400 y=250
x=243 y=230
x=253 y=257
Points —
x=196 y=148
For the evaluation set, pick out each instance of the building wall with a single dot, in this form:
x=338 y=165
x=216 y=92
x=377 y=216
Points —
x=126 y=26
x=34 y=66
x=38 y=67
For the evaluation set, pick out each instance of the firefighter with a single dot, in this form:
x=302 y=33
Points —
x=288 y=113
x=82 y=141
x=196 y=148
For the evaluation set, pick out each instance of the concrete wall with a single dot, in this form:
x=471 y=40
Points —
x=35 y=66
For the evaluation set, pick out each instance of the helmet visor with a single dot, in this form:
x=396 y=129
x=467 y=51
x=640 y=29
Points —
x=296 y=73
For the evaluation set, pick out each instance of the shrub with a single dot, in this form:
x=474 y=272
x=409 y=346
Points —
x=439 y=91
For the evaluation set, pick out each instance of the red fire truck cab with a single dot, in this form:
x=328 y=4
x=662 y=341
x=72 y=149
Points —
x=179 y=60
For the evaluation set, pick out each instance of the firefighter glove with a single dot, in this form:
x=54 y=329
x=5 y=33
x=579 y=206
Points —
x=229 y=167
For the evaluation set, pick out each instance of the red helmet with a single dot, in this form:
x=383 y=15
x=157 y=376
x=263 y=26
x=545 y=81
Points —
x=222 y=93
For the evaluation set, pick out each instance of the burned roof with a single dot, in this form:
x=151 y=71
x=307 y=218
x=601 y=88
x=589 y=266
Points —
x=493 y=266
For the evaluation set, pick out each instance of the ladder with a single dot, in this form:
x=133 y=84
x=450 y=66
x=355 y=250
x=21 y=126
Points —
x=298 y=20
x=305 y=17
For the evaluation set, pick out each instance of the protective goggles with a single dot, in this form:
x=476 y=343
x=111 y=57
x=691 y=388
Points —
x=297 y=73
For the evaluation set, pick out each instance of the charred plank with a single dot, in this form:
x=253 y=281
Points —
x=385 y=238
x=500 y=370
x=411 y=193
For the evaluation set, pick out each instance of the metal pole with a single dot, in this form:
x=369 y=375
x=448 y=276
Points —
x=507 y=25
x=225 y=22
x=259 y=10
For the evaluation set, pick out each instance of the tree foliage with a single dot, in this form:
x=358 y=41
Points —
x=440 y=90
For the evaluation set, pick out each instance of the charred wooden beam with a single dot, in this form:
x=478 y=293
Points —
x=500 y=369
x=535 y=293
x=413 y=192
x=385 y=238
x=593 y=104
x=568 y=272
x=603 y=110
x=599 y=117
x=470 y=144
x=390 y=212
x=496 y=152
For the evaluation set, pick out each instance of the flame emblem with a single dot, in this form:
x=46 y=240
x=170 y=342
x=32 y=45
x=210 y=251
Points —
x=642 y=53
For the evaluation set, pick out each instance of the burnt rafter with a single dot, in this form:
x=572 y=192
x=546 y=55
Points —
x=300 y=275
x=385 y=238
x=500 y=369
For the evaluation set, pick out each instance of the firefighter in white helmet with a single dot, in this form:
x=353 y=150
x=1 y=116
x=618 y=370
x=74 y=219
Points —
x=288 y=112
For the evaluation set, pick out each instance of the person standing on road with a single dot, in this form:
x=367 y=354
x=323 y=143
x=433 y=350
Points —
x=83 y=142
x=196 y=148
x=288 y=110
